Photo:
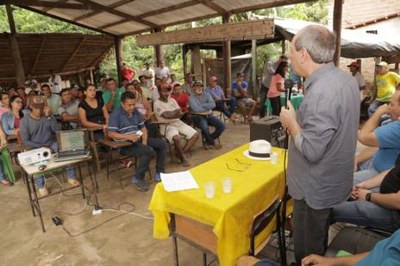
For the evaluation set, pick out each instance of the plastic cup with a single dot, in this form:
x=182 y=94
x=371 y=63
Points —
x=274 y=158
x=209 y=188
x=227 y=185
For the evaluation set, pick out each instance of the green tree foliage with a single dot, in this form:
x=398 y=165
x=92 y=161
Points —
x=30 y=22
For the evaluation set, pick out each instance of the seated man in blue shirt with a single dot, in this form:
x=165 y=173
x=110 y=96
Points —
x=38 y=129
x=126 y=123
x=201 y=105
x=383 y=142
x=219 y=97
x=239 y=90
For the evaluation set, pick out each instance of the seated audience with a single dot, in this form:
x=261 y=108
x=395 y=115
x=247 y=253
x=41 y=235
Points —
x=277 y=86
x=4 y=103
x=125 y=123
x=92 y=112
x=53 y=100
x=69 y=108
x=3 y=144
x=383 y=142
x=38 y=129
x=379 y=209
x=201 y=105
x=11 y=119
x=182 y=98
x=167 y=110
x=219 y=97
x=246 y=105
x=112 y=96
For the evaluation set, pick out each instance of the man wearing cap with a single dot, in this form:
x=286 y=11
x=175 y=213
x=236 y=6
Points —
x=201 y=105
x=355 y=71
x=168 y=111
x=323 y=138
x=246 y=105
x=38 y=129
x=219 y=97
x=386 y=83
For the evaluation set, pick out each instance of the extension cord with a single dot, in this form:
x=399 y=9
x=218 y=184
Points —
x=97 y=211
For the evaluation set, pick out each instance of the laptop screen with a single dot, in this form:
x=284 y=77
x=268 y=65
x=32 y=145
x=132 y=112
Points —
x=70 y=140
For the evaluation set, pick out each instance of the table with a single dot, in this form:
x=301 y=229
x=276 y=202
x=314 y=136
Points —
x=295 y=99
x=227 y=216
x=32 y=170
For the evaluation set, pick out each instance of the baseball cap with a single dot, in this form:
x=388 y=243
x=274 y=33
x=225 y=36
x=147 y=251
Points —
x=382 y=63
x=354 y=64
x=34 y=81
x=213 y=78
x=198 y=83
x=28 y=90
x=37 y=102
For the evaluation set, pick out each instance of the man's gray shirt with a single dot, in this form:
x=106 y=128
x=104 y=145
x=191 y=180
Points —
x=321 y=157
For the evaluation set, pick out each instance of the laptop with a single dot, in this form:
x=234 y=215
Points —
x=72 y=145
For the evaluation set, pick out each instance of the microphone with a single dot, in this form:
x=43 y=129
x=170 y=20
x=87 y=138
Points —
x=288 y=90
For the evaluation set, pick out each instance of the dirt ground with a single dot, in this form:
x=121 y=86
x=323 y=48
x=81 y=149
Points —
x=111 y=238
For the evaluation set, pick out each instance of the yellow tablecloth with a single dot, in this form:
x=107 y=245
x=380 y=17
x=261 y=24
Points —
x=255 y=185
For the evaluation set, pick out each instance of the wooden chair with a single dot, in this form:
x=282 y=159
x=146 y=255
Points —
x=94 y=145
x=260 y=222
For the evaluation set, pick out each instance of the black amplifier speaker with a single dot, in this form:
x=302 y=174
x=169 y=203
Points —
x=270 y=129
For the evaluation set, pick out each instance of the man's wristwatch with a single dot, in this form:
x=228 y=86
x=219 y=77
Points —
x=368 y=196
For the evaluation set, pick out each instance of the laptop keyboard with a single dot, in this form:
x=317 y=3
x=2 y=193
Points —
x=72 y=153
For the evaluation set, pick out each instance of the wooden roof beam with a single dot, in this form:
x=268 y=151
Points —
x=49 y=8
x=73 y=53
x=47 y=4
x=65 y=20
x=267 y=5
x=214 y=6
x=103 y=8
x=95 y=12
x=39 y=52
x=168 y=9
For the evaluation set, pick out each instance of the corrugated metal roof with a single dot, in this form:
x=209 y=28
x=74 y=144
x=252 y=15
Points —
x=129 y=17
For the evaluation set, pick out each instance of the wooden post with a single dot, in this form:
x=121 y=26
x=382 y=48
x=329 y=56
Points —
x=118 y=56
x=19 y=68
x=91 y=76
x=254 y=90
x=184 y=59
x=337 y=28
x=196 y=62
x=158 y=51
x=226 y=51
x=283 y=46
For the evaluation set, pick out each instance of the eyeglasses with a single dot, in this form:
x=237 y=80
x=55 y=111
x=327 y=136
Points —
x=238 y=166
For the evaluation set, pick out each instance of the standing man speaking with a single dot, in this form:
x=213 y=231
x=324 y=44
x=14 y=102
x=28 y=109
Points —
x=323 y=138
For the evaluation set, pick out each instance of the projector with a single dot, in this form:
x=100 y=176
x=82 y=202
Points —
x=34 y=156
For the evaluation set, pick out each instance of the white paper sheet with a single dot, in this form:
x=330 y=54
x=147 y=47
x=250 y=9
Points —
x=178 y=181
